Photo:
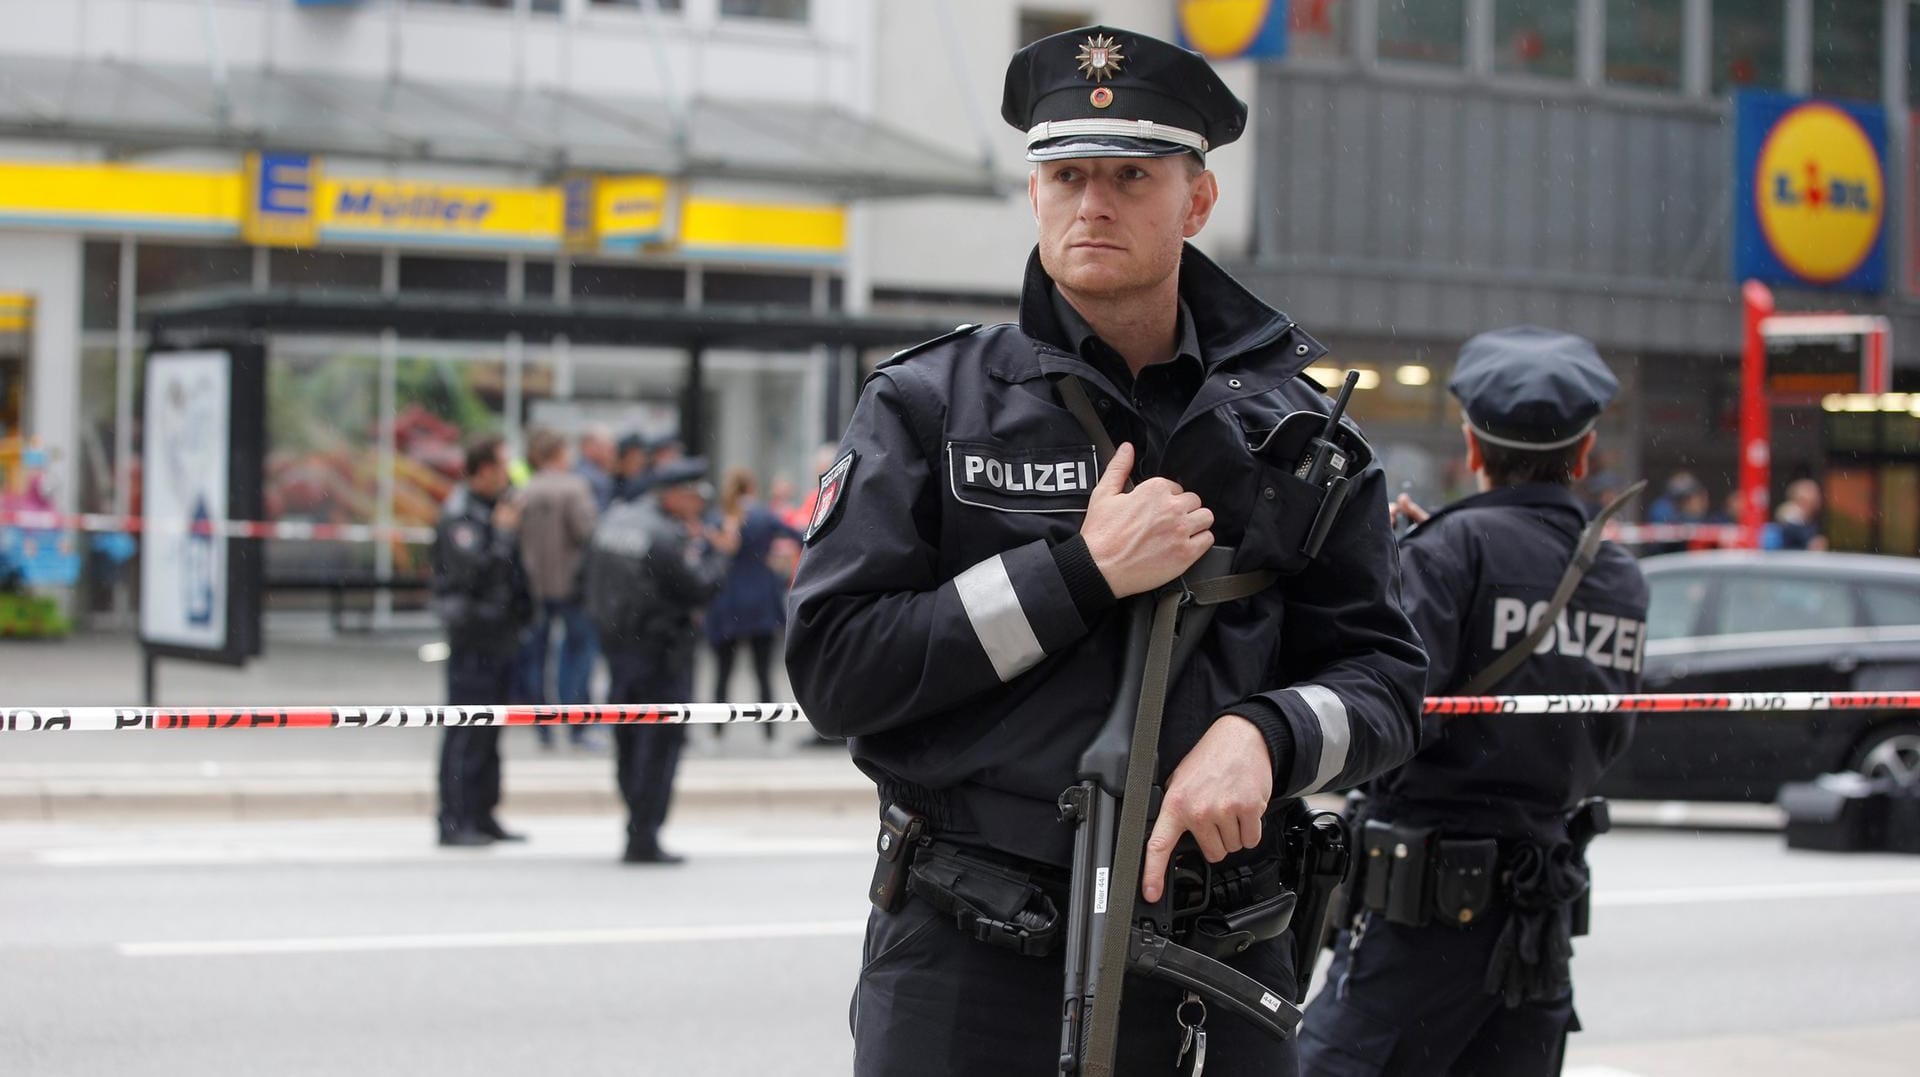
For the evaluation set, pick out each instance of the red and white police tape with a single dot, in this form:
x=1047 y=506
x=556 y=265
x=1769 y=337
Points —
x=114 y=719
x=35 y=519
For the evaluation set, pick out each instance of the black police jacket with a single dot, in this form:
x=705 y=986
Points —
x=1478 y=574
x=479 y=590
x=931 y=623
x=646 y=581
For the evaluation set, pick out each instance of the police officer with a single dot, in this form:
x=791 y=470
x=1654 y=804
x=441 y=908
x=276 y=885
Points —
x=955 y=609
x=1473 y=864
x=481 y=597
x=651 y=567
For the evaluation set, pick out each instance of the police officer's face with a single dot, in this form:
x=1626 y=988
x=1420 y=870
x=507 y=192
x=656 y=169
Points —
x=1113 y=226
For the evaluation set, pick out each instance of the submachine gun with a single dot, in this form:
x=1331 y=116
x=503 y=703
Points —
x=1110 y=931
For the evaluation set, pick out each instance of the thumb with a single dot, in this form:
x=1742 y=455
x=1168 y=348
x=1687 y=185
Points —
x=1113 y=481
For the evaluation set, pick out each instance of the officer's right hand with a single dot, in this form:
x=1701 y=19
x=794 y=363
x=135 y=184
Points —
x=1144 y=537
x=1405 y=508
x=506 y=514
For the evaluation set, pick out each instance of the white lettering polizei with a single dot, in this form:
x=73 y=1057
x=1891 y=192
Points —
x=1509 y=619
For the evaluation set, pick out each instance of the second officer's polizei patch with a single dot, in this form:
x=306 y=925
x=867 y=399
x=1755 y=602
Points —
x=1056 y=479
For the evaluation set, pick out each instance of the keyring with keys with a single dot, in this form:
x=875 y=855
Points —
x=1194 y=1041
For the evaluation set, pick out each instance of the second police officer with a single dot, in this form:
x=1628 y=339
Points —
x=955 y=610
x=1473 y=875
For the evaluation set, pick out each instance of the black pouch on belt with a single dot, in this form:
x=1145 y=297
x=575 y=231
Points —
x=900 y=833
x=1376 y=867
x=1409 y=890
x=995 y=903
x=1464 y=872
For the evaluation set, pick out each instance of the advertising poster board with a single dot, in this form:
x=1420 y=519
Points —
x=201 y=466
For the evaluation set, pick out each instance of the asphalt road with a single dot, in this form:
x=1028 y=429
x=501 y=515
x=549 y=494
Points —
x=298 y=948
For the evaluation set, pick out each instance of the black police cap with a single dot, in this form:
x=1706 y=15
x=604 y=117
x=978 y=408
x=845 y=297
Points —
x=631 y=443
x=688 y=469
x=1105 y=92
x=1531 y=388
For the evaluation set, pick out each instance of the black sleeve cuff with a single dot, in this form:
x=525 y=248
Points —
x=1091 y=595
x=1272 y=724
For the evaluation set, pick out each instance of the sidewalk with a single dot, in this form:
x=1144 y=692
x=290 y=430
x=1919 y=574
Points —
x=239 y=774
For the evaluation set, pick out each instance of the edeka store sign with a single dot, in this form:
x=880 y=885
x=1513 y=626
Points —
x=1811 y=210
x=1235 y=29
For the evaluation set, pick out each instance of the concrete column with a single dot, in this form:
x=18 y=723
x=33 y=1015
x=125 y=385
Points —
x=46 y=266
x=1480 y=37
x=1590 y=43
x=1799 y=46
x=1696 y=59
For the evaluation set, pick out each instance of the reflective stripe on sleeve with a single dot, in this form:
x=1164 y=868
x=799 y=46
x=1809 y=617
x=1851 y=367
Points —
x=1336 y=734
x=986 y=591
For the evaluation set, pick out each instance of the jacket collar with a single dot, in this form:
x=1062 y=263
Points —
x=1231 y=324
x=1549 y=496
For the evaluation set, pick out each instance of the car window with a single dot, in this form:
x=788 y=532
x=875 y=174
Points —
x=1892 y=605
x=1673 y=604
x=1776 y=604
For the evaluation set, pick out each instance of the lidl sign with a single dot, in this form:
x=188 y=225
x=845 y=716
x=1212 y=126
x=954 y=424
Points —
x=1812 y=205
x=1235 y=29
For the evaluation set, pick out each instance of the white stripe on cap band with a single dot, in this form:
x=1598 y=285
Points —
x=1336 y=734
x=1532 y=446
x=1143 y=129
x=992 y=605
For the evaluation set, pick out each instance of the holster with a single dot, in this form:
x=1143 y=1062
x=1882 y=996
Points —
x=993 y=902
x=901 y=831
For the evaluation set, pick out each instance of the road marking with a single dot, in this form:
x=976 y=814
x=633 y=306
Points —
x=1710 y=895
x=243 y=853
x=492 y=940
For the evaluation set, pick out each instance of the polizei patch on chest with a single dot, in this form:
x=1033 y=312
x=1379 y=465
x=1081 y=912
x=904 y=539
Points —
x=1055 y=479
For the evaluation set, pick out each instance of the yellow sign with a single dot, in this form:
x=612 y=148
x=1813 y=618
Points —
x=280 y=194
x=398 y=211
x=1820 y=191
x=150 y=200
x=16 y=312
x=756 y=231
x=631 y=210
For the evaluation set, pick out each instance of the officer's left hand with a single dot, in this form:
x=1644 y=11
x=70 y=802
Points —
x=1218 y=794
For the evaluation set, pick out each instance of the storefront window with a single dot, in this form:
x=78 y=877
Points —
x=780 y=10
x=99 y=381
x=323 y=459
x=1423 y=31
x=1644 y=42
x=536 y=280
x=1317 y=28
x=1846 y=49
x=439 y=403
x=628 y=282
x=165 y=268
x=341 y=270
x=100 y=285
x=758 y=289
x=1534 y=37
x=484 y=275
x=667 y=6
x=1748 y=44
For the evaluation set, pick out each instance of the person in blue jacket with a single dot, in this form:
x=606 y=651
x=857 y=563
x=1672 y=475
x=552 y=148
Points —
x=752 y=604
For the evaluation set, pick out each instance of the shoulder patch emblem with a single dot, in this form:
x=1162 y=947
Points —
x=832 y=494
x=465 y=536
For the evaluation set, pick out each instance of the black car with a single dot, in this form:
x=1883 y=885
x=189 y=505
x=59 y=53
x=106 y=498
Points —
x=1745 y=621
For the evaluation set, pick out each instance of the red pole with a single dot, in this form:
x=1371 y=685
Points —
x=1755 y=453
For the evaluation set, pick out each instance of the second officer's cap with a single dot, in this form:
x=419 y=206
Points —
x=1105 y=92
x=1531 y=388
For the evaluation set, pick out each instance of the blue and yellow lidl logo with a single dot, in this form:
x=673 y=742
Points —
x=281 y=191
x=1234 y=29
x=1813 y=199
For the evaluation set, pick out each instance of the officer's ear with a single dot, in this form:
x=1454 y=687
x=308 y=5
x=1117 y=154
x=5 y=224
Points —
x=1582 y=455
x=1033 y=191
x=1203 y=196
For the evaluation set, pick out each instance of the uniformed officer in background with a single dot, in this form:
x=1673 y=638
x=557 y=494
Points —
x=954 y=612
x=1473 y=874
x=480 y=595
x=651 y=567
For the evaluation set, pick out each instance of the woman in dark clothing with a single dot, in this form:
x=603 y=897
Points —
x=752 y=603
